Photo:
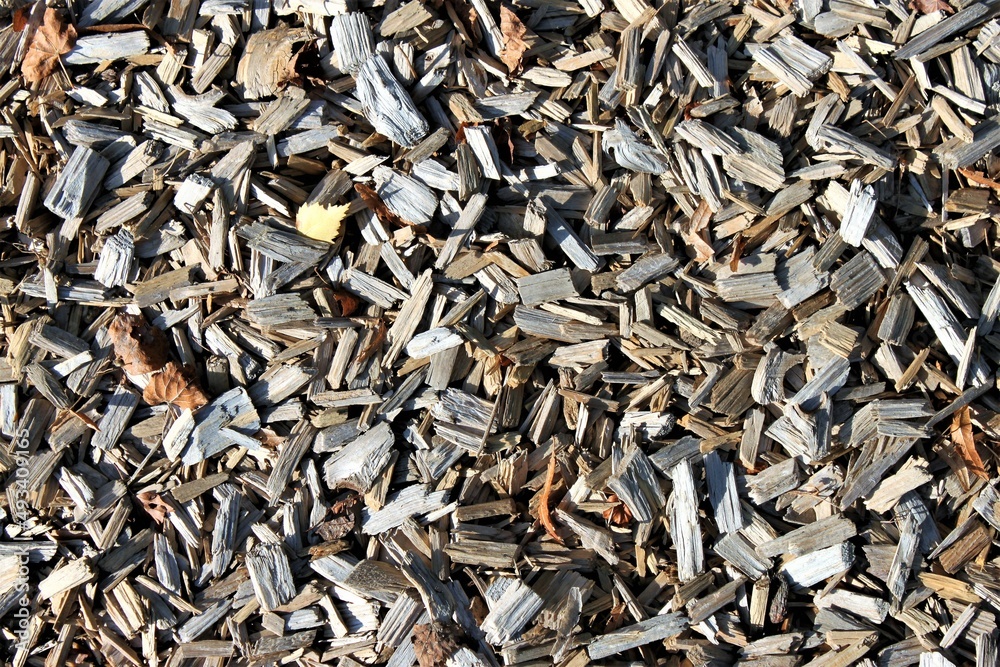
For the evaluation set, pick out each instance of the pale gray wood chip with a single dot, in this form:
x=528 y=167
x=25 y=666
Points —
x=77 y=184
x=654 y=629
x=271 y=575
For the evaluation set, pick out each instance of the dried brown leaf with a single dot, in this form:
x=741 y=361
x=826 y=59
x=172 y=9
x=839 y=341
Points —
x=154 y=506
x=140 y=347
x=328 y=549
x=375 y=344
x=304 y=69
x=543 y=501
x=378 y=206
x=91 y=424
x=335 y=528
x=346 y=302
x=514 y=46
x=965 y=443
x=697 y=226
x=739 y=243
x=175 y=385
x=466 y=20
x=20 y=18
x=479 y=610
x=344 y=513
x=616 y=618
x=701 y=216
x=434 y=643
x=930 y=6
x=620 y=514
x=53 y=38
x=65 y=417
x=503 y=136
x=979 y=178
x=269 y=438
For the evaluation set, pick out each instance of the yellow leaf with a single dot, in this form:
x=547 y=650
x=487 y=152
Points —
x=320 y=222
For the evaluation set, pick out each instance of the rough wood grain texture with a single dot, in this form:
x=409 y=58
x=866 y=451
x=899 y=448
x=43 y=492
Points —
x=650 y=630
x=270 y=572
x=77 y=184
x=625 y=332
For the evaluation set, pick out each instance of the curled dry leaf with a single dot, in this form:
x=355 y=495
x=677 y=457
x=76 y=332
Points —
x=305 y=68
x=346 y=302
x=689 y=108
x=980 y=178
x=434 y=643
x=175 y=385
x=543 y=502
x=739 y=243
x=965 y=443
x=154 y=506
x=375 y=344
x=930 y=6
x=696 y=229
x=620 y=514
x=91 y=424
x=141 y=348
x=616 y=618
x=53 y=38
x=64 y=417
x=20 y=18
x=514 y=46
x=378 y=206
x=320 y=222
x=270 y=439
x=503 y=136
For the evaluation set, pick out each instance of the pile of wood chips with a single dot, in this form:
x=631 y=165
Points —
x=462 y=333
